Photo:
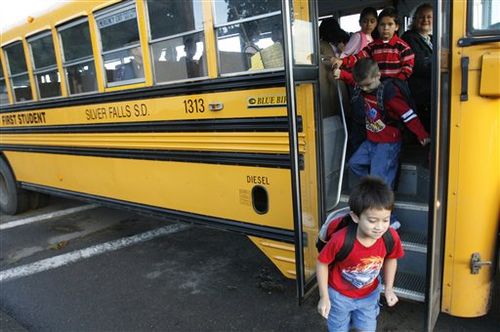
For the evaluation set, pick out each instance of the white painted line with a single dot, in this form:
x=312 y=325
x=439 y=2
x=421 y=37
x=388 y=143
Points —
x=46 y=216
x=75 y=256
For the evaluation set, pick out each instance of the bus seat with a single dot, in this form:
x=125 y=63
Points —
x=233 y=62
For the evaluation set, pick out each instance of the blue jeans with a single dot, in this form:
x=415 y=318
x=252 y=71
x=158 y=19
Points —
x=347 y=313
x=377 y=159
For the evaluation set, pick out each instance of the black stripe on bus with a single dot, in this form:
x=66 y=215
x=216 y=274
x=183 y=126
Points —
x=264 y=124
x=206 y=157
x=264 y=80
x=272 y=233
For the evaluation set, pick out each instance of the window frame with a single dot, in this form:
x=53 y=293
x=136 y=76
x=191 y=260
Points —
x=12 y=76
x=65 y=64
x=4 y=79
x=171 y=37
x=235 y=22
x=46 y=69
x=471 y=31
x=114 y=9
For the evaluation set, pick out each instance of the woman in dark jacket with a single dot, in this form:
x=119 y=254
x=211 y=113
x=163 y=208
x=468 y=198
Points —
x=420 y=40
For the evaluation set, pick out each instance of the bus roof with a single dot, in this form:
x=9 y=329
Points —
x=54 y=15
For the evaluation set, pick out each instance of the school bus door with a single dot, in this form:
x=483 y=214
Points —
x=299 y=25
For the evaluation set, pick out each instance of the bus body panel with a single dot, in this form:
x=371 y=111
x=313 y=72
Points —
x=474 y=182
x=190 y=187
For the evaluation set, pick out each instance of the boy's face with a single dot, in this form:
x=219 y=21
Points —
x=370 y=83
x=372 y=223
x=387 y=27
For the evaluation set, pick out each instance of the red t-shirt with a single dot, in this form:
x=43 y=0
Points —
x=357 y=275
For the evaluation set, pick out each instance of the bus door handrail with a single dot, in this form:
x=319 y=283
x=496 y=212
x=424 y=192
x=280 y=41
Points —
x=344 y=150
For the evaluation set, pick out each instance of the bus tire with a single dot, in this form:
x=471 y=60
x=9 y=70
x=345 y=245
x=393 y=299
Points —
x=13 y=199
x=37 y=200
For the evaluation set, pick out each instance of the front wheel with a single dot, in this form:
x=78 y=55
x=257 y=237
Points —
x=13 y=199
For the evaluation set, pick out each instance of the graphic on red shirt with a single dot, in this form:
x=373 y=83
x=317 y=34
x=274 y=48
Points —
x=365 y=272
x=357 y=275
x=372 y=123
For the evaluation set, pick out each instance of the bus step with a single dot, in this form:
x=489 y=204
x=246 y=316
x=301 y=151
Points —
x=409 y=286
x=413 y=241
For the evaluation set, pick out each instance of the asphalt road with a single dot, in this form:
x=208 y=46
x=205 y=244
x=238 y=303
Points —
x=193 y=279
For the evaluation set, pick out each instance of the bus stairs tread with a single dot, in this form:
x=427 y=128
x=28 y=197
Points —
x=413 y=241
x=410 y=286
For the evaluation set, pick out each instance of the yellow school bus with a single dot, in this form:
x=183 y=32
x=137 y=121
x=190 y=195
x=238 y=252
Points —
x=212 y=112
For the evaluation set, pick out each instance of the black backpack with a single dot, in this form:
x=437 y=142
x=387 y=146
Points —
x=386 y=90
x=338 y=220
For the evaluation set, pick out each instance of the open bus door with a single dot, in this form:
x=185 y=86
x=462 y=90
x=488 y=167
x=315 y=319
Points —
x=299 y=25
x=438 y=191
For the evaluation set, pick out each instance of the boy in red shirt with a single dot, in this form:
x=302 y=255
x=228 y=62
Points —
x=378 y=155
x=350 y=289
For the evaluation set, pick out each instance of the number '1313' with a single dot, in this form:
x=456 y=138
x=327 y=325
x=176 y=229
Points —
x=196 y=105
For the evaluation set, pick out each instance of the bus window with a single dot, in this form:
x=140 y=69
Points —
x=177 y=40
x=45 y=66
x=249 y=35
x=20 y=82
x=78 y=61
x=4 y=99
x=121 y=51
x=486 y=16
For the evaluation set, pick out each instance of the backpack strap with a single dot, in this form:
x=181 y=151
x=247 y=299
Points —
x=348 y=244
x=380 y=98
x=388 y=241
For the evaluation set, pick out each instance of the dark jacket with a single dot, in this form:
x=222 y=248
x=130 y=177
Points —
x=420 y=80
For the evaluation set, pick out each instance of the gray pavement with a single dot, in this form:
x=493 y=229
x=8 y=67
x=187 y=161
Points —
x=9 y=324
x=198 y=279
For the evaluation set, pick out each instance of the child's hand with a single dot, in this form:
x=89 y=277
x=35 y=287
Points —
x=324 y=306
x=390 y=297
x=425 y=141
x=336 y=62
x=336 y=73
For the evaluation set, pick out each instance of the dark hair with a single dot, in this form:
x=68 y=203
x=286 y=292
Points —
x=390 y=12
x=371 y=193
x=364 y=68
x=368 y=11
x=330 y=31
x=418 y=11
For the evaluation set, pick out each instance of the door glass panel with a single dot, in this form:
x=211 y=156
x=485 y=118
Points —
x=486 y=15
x=302 y=34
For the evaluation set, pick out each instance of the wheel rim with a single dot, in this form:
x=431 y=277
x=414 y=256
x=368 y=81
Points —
x=3 y=190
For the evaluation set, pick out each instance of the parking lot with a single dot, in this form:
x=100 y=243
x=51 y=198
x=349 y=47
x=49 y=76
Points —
x=82 y=267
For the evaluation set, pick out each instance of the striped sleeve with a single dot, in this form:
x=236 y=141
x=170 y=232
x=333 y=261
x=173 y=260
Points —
x=399 y=105
x=407 y=61
x=350 y=61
